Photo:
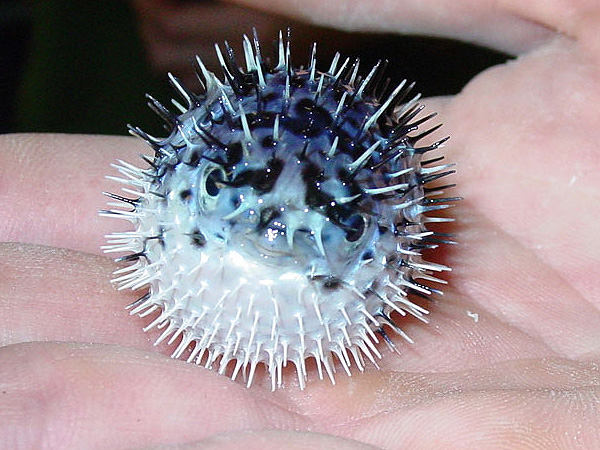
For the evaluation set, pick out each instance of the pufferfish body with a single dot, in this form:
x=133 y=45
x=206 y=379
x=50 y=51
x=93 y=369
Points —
x=283 y=218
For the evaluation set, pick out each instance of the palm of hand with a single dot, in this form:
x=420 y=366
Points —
x=510 y=355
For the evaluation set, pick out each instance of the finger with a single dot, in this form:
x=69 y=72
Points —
x=50 y=294
x=576 y=19
x=75 y=396
x=51 y=187
x=525 y=138
x=81 y=396
x=518 y=404
x=488 y=23
x=519 y=306
x=271 y=440
x=174 y=35
x=194 y=20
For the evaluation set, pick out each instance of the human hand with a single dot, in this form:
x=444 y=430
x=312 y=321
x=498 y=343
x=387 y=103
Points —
x=509 y=360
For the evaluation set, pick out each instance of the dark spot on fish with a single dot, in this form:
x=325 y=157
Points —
x=185 y=195
x=235 y=153
x=263 y=180
x=198 y=238
x=266 y=216
x=330 y=283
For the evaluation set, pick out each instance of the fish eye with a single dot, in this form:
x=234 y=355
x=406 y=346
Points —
x=354 y=227
x=210 y=185
x=211 y=182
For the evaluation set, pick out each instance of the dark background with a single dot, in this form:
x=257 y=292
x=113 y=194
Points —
x=79 y=66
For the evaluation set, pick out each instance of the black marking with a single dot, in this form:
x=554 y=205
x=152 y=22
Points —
x=235 y=153
x=418 y=137
x=159 y=237
x=131 y=257
x=429 y=201
x=432 y=161
x=367 y=256
x=156 y=106
x=332 y=283
x=436 y=241
x=386 y=338
x=428 y=190
x=153 y=142
x=342 y=76
x=197 y=238
x=185 y=195
x=241 y=83
x=397 y=151
x=316 y=198
x=329 y=282
x=402 y=125
x=131 y=201
x=194 y=159
x=263 y=180
x=209 y=138
x=429 y=178
x=158 y=194
x=435 y=145
x=269 y=98
x=399 y=99
x=302 y=154
x=139 y=301
x=268 y=142
x=266 y=216
x=375 y=85
x=150 y=161
x=312 y=173
x=310 y=120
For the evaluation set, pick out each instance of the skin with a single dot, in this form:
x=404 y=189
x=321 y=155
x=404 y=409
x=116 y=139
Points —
x=509 y=360
x=172 y=36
